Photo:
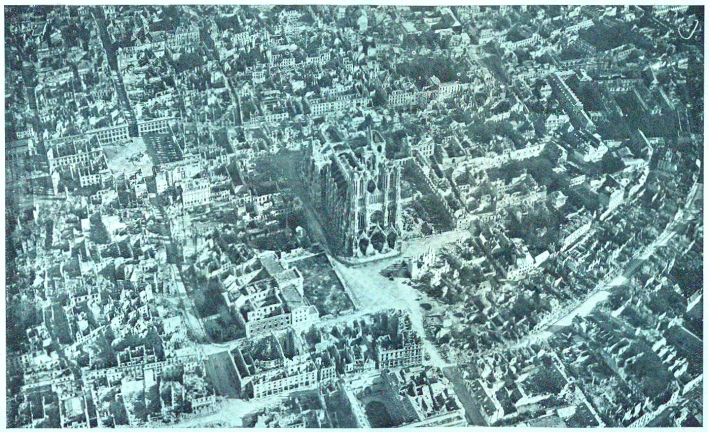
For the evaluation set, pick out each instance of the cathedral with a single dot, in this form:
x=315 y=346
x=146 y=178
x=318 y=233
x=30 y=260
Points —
x=358 y=193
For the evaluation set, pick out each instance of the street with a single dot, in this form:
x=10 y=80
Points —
x=472 y=411
x=221 y=371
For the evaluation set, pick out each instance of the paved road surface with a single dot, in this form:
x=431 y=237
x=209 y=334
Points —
x=222 y=373
x=472 y=411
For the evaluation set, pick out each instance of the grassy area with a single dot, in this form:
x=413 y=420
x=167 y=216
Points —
x=427 y=208
x=322 y=287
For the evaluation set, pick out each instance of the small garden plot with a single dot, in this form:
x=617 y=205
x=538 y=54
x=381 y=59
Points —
x=322 y=287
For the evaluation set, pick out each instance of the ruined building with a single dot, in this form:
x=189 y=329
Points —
x=358 y=193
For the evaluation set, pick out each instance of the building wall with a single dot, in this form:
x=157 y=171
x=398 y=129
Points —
x=362 y=202
x=263 y=325
x=297 y=381
x=154 y=126
x=111 y=135
x=408 y=356
x=194 y=193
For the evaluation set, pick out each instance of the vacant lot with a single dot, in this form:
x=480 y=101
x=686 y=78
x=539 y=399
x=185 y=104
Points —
x=222 y=374
x=322 y=287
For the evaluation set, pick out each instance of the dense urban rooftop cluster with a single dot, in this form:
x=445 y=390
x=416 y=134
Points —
x=354 y=216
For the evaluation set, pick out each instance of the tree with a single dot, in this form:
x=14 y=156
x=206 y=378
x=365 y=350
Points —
x=98 y=232
x=367 y=123
x=224 y=313
x=380 y=98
